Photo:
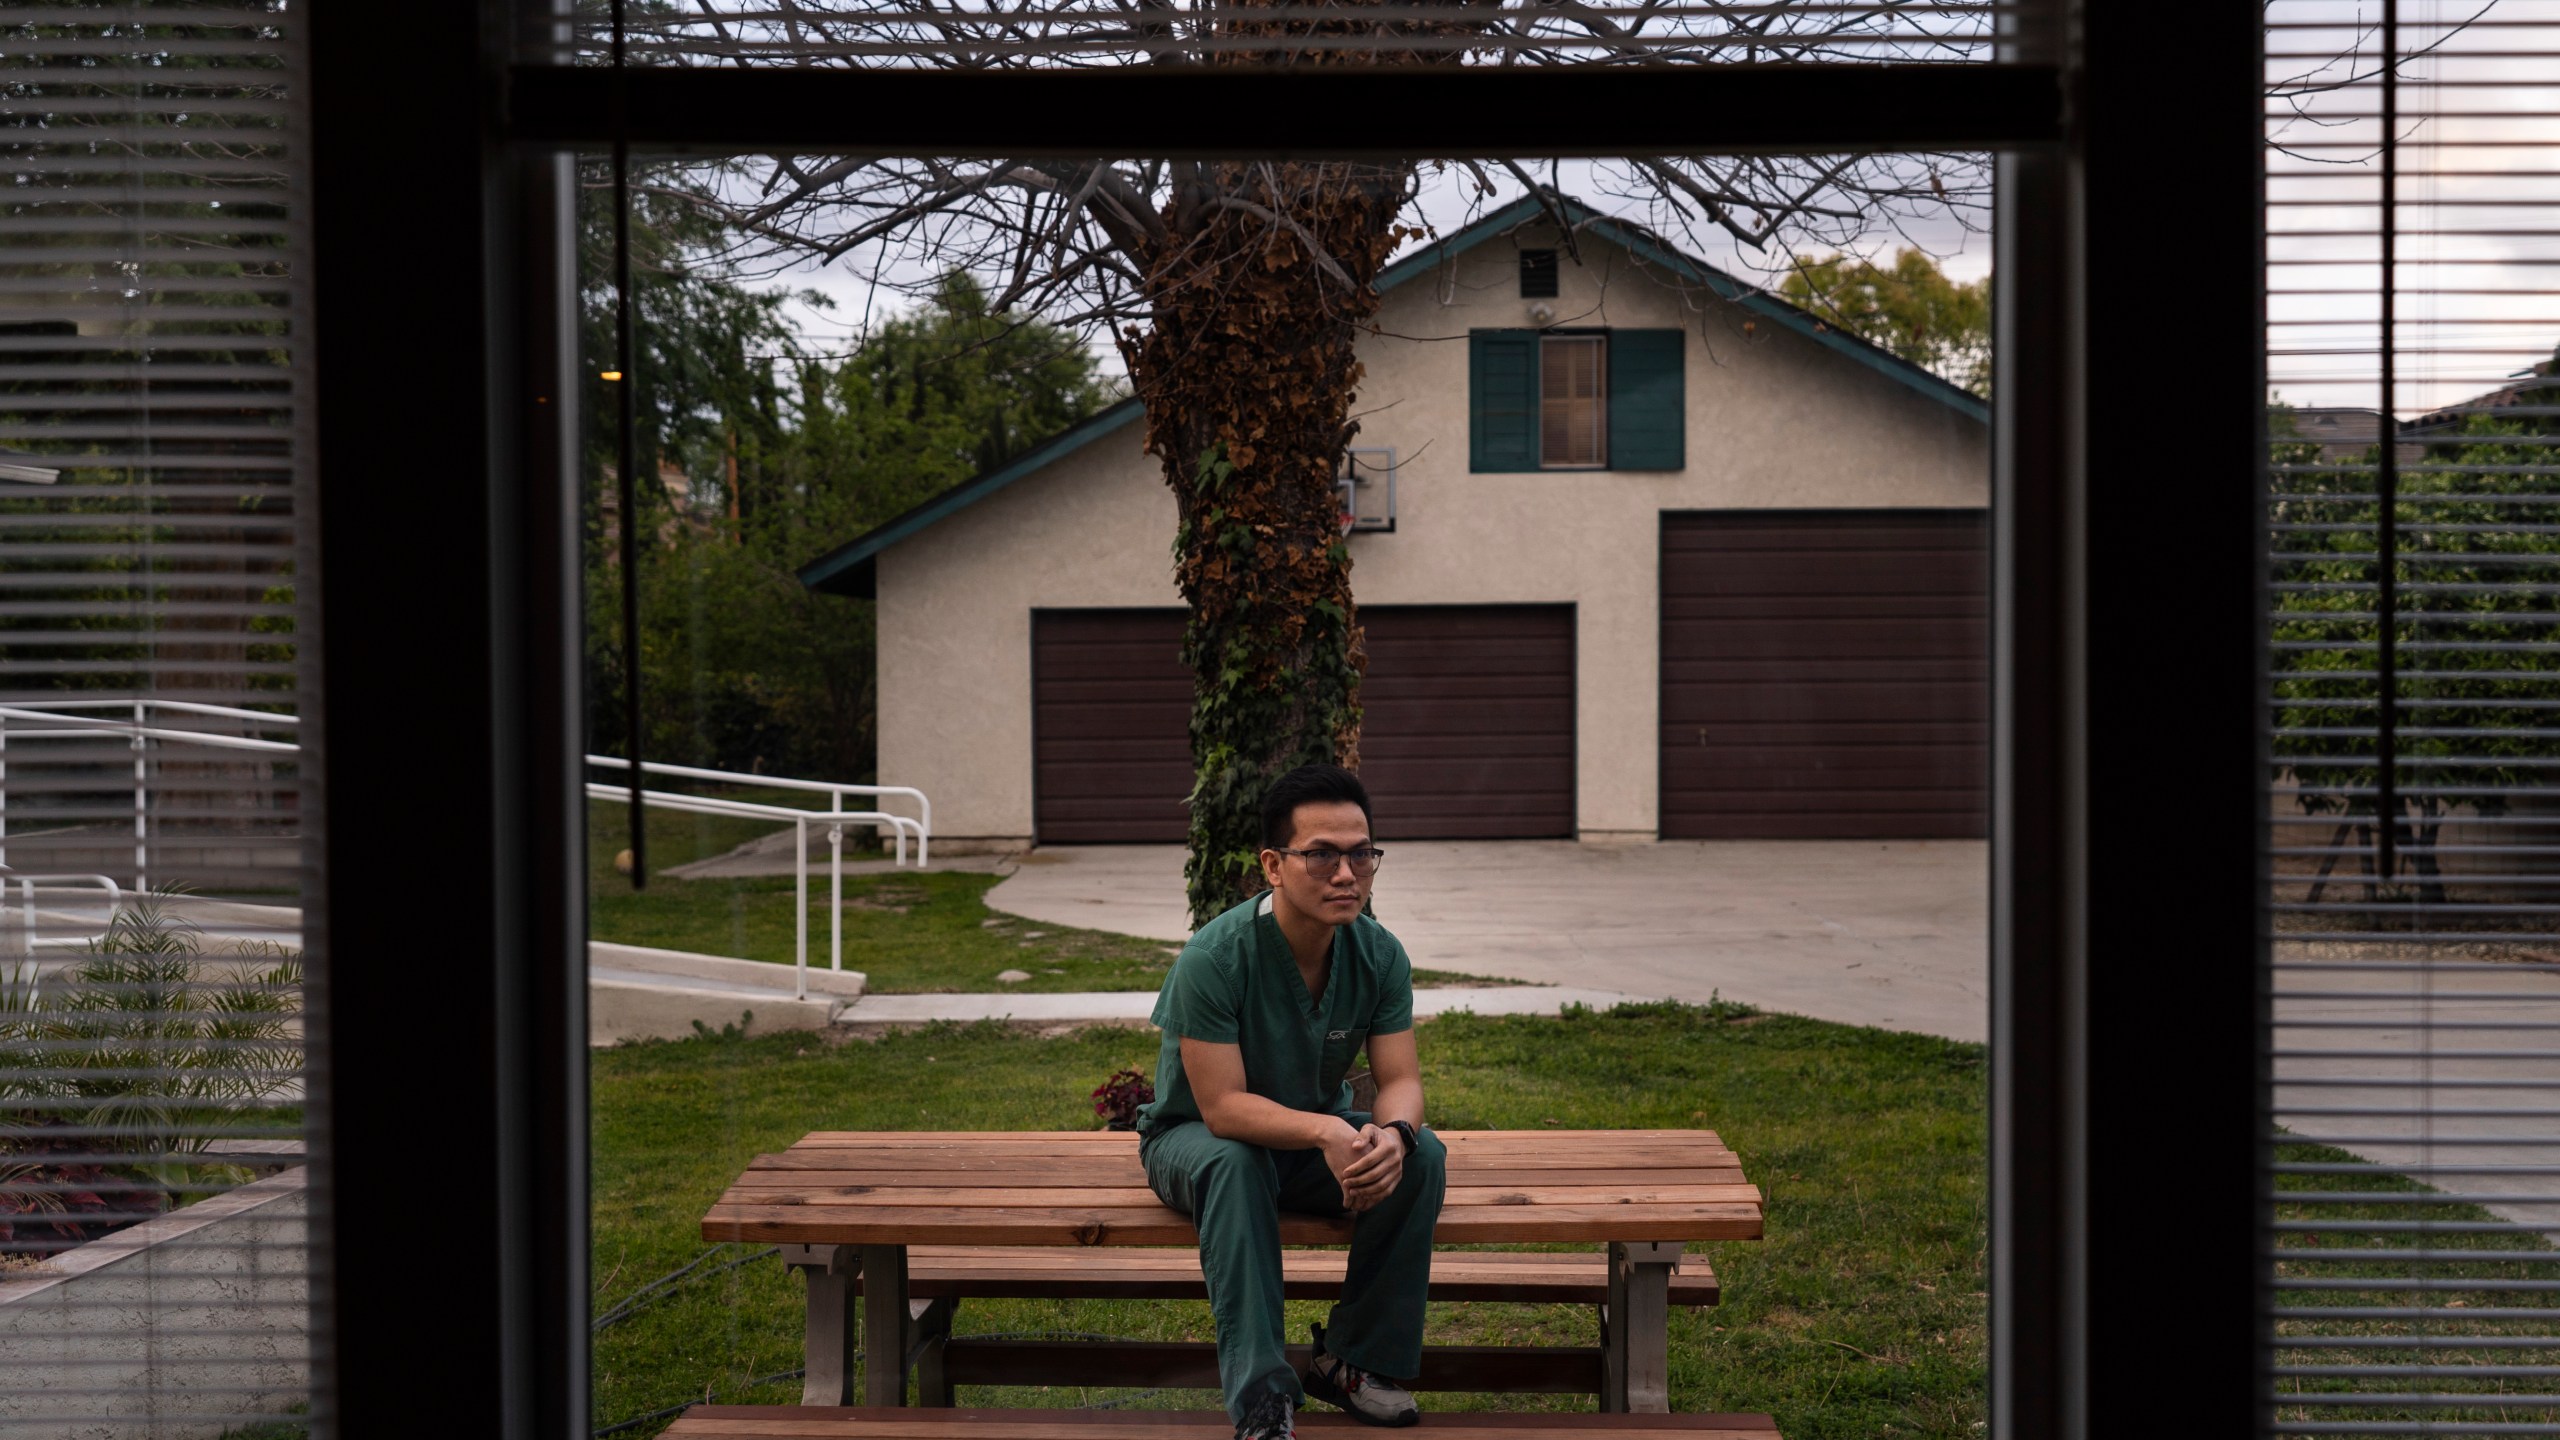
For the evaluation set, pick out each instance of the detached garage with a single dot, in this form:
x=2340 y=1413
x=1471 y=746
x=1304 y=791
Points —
x=1642 y=550
x=1826 y=675
x=1468 y=729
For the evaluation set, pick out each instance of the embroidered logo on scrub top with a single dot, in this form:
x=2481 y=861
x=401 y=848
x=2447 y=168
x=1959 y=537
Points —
x=1337 y=1034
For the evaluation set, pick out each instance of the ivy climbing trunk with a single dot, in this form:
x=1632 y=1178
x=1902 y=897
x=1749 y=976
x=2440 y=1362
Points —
x=1248 y=373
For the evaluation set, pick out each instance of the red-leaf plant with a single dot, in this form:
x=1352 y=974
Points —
x=1117 y=1099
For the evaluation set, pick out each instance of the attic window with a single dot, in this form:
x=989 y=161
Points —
x=1573 y=402
x=1537 y=274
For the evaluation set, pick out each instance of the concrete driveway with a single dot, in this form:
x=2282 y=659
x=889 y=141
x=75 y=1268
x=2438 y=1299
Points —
x=1865 y=932
x=2438 y=1066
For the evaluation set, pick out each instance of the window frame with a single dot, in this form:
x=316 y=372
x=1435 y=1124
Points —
x=2084 y=628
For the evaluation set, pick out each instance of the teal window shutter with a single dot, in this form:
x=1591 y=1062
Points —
x=1648 y=415
x=1502 y=400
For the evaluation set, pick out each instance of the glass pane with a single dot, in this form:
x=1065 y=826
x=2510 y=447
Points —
x=2412 y=885
x=1573 y=408
x=154 y=852
x=1032 y=554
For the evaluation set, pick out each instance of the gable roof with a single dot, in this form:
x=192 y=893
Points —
x=851 y=569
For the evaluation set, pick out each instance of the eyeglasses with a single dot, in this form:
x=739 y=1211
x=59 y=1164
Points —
x=1324 y=860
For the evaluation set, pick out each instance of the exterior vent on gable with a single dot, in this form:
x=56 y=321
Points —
x=1537 y=274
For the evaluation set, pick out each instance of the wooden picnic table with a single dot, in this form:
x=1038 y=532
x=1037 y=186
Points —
x=845 y=1206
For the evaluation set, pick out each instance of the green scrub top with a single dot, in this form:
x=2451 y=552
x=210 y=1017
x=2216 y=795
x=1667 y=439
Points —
x=1237 y=984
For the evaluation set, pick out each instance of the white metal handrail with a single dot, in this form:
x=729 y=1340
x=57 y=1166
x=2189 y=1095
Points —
x=836 y=789
x=27 y=907
x=55 y=720
x=835 y=816
x=78 y=718
x=800 y=820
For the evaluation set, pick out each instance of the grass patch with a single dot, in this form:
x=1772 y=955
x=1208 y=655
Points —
x=2463 y=1246
x=909 y=931
x=1860 y=1315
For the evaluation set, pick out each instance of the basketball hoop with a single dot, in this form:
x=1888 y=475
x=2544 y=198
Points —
x=1349 y=522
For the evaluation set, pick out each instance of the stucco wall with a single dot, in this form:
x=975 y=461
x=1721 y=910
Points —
x=1775 y=420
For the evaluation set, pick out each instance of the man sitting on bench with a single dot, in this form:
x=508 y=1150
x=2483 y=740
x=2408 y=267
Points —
x=1262 y=1015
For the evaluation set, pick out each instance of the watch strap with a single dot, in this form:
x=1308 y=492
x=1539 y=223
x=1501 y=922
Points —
x=1405 y=1129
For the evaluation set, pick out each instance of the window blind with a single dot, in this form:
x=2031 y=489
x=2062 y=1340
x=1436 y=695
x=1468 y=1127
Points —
x=1571 y=401
x=2412 y=1182
x=153 y=851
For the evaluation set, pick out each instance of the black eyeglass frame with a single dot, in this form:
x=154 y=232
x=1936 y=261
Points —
x=1373 y=854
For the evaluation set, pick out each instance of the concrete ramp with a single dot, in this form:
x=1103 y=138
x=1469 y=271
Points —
x=636 y=992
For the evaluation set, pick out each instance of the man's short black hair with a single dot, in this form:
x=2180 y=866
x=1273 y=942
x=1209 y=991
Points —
x=1308 y=784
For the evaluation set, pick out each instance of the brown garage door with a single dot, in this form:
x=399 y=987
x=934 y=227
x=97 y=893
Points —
x=1110 y=726
x=1468 y=733
x=1825 y=674
x=1468 y=726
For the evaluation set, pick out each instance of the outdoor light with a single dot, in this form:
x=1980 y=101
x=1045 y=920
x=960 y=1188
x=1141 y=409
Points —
x=609 y=375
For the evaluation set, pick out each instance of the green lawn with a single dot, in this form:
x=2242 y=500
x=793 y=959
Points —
x=2514 y=1301
x=1860 y=1315
x=909 y=931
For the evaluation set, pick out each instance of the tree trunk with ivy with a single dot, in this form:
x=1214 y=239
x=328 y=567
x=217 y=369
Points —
x=1248 y=375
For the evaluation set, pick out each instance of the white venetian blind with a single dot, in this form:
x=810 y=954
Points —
x=153 y=855
x=2413 y=535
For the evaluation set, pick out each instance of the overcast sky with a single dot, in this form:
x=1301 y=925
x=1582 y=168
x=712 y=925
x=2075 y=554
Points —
x=1445 y=205
x=2480 y=213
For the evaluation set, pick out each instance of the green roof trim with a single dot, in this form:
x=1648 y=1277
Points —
x=850 y=568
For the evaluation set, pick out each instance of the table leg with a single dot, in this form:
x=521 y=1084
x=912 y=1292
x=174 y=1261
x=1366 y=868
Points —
x=827 y=1334
x=884 y=1324
x=932 y=1319
x=1635 y=1330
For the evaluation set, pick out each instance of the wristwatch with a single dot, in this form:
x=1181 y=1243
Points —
x=1405 y=1129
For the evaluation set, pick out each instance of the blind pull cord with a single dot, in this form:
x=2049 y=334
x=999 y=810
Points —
x=2386 y=759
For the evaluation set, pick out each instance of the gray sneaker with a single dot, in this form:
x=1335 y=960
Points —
x=1371 y=1399
x=1268 y=1420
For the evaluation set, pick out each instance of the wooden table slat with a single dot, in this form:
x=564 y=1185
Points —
x=968 y=1188
x=817 y=1422
x=1104 y=1177
x=1130 y=1138
x=971 y=1272
x=866 y=1196
x=1648 y=1155
x=1070 y=1225
x=1525 y=1153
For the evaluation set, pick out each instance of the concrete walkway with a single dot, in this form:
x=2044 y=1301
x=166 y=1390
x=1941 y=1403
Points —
x=1864 y=932
x=2358 y=1065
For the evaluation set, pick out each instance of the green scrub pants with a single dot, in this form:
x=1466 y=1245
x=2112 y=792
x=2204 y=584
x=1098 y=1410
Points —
x=1234 y=1194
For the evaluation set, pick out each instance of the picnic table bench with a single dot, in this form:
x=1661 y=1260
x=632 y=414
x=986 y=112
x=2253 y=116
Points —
x=900 y=1226
x=840 y=1422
